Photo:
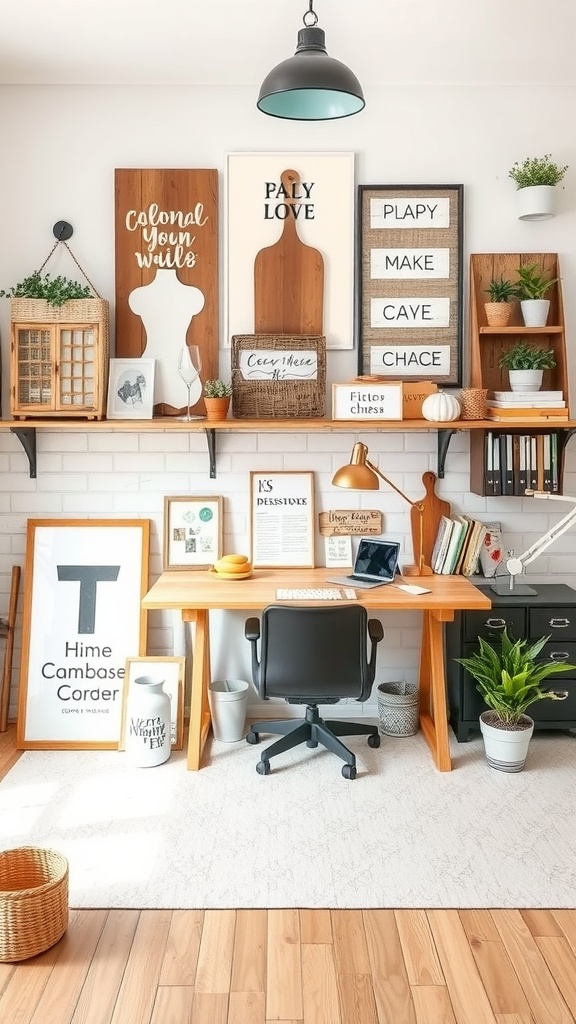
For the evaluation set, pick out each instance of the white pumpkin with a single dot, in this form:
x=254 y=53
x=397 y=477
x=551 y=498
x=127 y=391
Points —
x=441 y=407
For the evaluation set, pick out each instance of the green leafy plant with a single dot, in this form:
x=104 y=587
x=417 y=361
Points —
x=217 y=389
x=525 y=356
x=509 y=677
x=537 y=170
x=56 y=291
x=532 y=282
x=501 y=290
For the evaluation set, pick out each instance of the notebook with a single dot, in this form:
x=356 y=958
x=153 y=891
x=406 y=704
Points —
x=376 y=563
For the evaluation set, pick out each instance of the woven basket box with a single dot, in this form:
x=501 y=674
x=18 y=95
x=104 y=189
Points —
x=295 y=383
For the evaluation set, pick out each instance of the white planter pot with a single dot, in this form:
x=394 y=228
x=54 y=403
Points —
x=525 y=380
x=538 y=202
x=506 y=749
x=535 y=312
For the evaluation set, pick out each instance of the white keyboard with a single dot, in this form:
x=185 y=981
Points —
x=315 y=594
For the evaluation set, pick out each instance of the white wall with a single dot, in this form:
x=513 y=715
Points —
x=60 y=146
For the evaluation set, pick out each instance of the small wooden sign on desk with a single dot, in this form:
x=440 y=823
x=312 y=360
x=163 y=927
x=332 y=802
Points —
x=361 y=522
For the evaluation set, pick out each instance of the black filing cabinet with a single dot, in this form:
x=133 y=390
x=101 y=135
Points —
x=551 y=612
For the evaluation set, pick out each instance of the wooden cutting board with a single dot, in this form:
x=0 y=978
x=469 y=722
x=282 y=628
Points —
x=289 y=275
x=434 y=509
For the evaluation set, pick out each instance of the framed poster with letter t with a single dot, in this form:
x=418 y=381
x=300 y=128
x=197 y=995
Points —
x=409 y=282
x=83 y=617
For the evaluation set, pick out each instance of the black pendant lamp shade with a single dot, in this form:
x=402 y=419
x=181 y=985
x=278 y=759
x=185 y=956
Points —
x=311 y=86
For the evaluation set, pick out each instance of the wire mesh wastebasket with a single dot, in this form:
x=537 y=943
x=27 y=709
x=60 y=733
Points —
x=398 y=708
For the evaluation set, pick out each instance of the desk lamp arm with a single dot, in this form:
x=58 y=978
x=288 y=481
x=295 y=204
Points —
x=516 y=564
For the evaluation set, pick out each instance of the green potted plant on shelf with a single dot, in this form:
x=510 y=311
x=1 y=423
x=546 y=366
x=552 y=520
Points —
x=498 y=310
x=536 y=179
x=533 y=284
x=509 y=677
x=217 y=399
x=526 y=363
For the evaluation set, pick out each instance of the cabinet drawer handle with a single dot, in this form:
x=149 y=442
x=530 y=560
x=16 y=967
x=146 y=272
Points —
x=559 y=623
x=496 y=623
x=558 y=656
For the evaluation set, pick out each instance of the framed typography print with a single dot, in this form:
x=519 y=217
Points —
x=282 y=519
x=290 y=245
x=169 y=671
x=409 y=282
x=83 y=616
x=193 y=531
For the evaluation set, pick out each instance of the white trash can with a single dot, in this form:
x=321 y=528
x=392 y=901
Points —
x=228 y=705
x=398 y=708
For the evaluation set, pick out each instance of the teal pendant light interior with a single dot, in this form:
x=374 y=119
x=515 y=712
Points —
x=311 y=86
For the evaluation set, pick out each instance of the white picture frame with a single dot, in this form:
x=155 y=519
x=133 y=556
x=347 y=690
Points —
x=282 y=519
x=82 y=617
x=193 y=531
x=131 y=389
x=171 y=671
x=367 y=400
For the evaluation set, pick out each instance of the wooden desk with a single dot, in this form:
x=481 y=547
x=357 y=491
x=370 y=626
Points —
x=196 y=593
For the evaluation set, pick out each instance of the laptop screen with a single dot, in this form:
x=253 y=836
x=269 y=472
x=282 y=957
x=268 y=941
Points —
x=377 y=559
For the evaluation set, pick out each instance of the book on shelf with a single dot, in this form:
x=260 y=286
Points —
x=526 y=403
x=457 y=534
x=473 y=548
x=545 y=413
x=441 y=543
x=468 y=526
x=525 y=397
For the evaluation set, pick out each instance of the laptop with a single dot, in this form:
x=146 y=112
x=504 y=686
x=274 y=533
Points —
x=376 y=563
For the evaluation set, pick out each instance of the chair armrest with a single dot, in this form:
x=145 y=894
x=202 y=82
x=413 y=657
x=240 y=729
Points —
x=252 y=629
x=375 y=630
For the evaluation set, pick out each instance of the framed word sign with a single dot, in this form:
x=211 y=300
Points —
x=282 y=519
x=85 y=580
x=167 y=273
x=409 y=282
x=366 y=401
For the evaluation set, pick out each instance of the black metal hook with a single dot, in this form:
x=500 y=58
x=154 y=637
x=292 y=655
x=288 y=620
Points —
x=62 y=230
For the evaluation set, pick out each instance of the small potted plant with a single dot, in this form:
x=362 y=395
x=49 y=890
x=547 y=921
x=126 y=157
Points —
x=216 y=399
x=499 y=309
x=536 y=179
x=526 y=363
x=533 y=283
x=508 y=676
x=54 y=290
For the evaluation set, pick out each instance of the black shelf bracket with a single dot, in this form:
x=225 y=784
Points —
x=443 y=439
x=27 y=438
x=211 y=442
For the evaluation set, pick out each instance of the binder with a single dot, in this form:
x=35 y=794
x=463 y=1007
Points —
x=497 y=487
x=524 y=461
x=547 y=463
x=554 y=463
x=489 y=462
x=533 y=485
x=517 y=487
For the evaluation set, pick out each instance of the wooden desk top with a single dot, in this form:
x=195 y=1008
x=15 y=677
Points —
x=202 y=590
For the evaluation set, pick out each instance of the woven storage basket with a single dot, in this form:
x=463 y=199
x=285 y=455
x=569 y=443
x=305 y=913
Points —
x=300 y=399
x=33 y=901
x=398 y=708
x=473 y=403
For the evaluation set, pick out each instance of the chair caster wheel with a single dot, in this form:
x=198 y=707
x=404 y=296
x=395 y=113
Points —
x=374 y=741
x=311 y=743
x=349 y=771
x=253 y=737
x=263 y=767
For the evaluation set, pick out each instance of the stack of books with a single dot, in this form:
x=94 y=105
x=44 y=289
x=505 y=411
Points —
x=507 y=406
x=457 y=546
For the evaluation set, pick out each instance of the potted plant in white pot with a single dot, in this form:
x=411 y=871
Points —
x=536 y=180
x=499 y=309
x=509 y=678
x=531 y=290
x=217 y=399
x=526 y=364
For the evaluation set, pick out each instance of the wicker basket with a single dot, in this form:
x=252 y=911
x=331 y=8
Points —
x=33 y=901
x=398 y=708
x=299 y=399
x=473 y=403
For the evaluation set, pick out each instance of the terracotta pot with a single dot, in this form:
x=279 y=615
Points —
x=498 y=313
x=217 y=408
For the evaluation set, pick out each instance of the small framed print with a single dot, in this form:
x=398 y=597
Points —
x=170 y=671
x=193 y=530
x=282 y=519
x=131 y=389
x=366 y=400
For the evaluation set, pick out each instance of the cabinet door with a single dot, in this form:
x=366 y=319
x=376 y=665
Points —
x=32 y=368
x=77 y=377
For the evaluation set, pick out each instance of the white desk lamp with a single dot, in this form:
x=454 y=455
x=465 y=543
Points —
x=516 y=564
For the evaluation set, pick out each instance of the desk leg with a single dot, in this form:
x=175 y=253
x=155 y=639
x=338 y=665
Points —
x=433 y=709
x=199 y=706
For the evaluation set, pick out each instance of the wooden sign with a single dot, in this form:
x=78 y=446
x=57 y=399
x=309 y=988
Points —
x=355 y=521
x=413 y=394
x=367 y=401
x=167 y=274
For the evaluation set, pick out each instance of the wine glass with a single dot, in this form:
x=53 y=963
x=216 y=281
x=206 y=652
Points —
x=189 y=366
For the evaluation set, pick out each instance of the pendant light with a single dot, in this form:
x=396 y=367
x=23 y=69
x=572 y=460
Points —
x=311 y=86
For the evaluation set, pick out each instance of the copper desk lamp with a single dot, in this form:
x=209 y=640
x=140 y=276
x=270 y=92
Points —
x=362 y=475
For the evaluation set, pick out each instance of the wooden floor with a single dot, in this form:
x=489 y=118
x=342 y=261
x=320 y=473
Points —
x=310 y=966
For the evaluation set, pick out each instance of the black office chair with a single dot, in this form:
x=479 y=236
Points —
x=313 y=656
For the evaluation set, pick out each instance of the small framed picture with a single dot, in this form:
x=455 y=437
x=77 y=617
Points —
x=131 y=389
x=282 y=519
x=193 y=530
x=169 y=671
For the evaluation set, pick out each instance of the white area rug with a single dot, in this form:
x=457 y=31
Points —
x=401 y=835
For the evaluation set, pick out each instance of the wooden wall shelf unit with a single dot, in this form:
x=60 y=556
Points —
x=26 y=433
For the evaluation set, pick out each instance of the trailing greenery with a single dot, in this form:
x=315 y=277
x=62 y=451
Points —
x=525 y=356
x=501 y=290
x=537 y=170
x=217 y=389
x=509 y=677
x=56 y=291
x=532 y=283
